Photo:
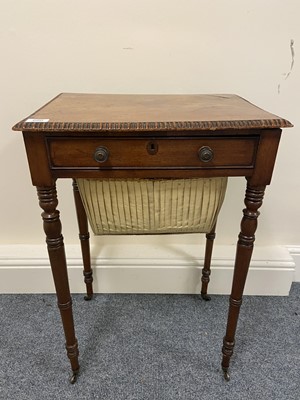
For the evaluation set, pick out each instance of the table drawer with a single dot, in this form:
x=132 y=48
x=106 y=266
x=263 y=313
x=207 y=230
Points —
x=151 y=153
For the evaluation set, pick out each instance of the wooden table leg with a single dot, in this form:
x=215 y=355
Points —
x=84 y=237
x=52 y=227
x=210 y=237
x=253 y=200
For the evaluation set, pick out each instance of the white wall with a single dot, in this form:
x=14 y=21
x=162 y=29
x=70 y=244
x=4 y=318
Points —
x=178 y=46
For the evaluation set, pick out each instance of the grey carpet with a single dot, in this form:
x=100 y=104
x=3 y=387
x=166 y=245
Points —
x=140 y=347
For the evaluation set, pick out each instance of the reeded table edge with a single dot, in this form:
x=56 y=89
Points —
x=150 y=126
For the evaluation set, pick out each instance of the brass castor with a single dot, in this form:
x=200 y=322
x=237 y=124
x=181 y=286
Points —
x=74 y=377
x=226 y=374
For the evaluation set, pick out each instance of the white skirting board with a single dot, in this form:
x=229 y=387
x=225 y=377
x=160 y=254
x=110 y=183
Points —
x=131 y=268
x=295 y=253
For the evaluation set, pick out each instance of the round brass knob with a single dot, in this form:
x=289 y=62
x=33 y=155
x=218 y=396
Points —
x=205 y=154
x=101 y=154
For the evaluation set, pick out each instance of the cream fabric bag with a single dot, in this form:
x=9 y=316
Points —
x=149 y=206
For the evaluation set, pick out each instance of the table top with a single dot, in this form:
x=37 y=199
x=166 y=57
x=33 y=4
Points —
x=69 y=112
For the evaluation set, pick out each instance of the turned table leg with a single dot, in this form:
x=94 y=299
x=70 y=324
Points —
x=210 y=237
x=84 y=237
x=253 y=200
x=54 y=239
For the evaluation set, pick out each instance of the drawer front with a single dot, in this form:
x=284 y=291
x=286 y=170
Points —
x=119 y=153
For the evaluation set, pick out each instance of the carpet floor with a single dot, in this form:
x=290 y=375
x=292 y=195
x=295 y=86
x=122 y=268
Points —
x=156 y=347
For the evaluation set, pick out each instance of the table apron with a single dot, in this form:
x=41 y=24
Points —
x=150 y=173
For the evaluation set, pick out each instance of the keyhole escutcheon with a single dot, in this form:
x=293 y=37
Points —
x=152 y=147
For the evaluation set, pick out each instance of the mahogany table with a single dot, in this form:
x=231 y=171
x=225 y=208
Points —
x=148 y=136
